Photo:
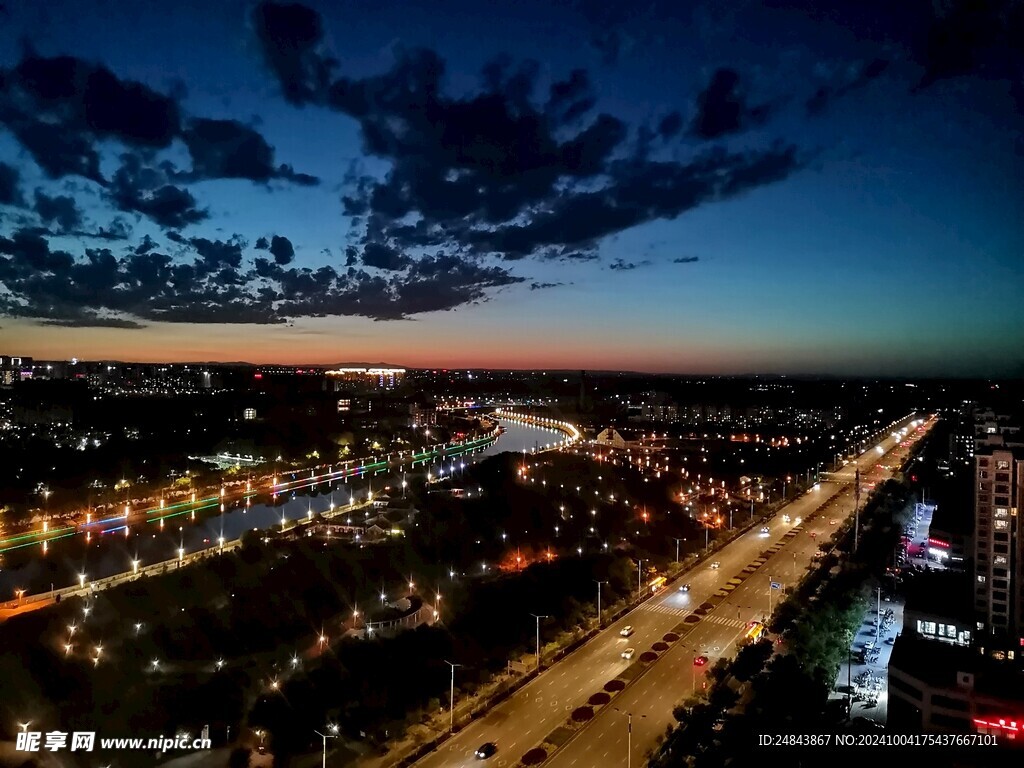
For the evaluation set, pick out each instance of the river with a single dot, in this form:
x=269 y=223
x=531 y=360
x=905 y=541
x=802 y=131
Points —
x=112 y=552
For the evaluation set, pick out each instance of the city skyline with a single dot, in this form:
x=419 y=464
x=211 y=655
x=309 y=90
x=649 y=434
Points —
x=757 y=189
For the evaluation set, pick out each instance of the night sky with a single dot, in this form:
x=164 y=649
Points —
x=720 y=187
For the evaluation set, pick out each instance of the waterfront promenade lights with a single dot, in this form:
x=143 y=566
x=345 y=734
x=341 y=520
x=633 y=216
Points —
x=20 y=594
x=135 y=566
x=81 y=580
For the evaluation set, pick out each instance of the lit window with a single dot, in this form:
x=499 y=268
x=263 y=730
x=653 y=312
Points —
x=249 y=414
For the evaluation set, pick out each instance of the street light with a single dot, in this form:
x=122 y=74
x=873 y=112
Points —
x=538 y=618
x=20 y=593
x=629 y=735
x=333 y=734
x=135 y=565
x=599 y=583
x=451 y=697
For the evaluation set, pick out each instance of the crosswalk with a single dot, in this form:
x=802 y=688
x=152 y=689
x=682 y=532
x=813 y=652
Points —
x=665 y=609
x=725 y=621
x=669 y=610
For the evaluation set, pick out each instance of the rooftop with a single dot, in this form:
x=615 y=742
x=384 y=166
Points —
x=939 y=663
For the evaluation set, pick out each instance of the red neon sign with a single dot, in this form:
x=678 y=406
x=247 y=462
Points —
x=938 y=543
x=1002 y=724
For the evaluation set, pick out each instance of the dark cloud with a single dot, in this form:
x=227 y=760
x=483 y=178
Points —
x=147 y=245
x=10 y=191
x=143 y=189
x=262 y=244
x=217 y=254
x=61 y=108
x=625 y=266
x=60 y=210
x=670 y=125
x=686 y=260
x=227 y=149
x=860 y=75
x=949 y=39
x=57 y=152
x=291 y=37
x=58 y=108
x=88 y=99
x=212 y=282
x=281 y=249
x=541 y=286
x=382 y=256
x=975 y=37
x=722 y=107
x=501 y=172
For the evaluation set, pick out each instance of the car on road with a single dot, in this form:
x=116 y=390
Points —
x=485 y=750
x=785 y=518
x=716 y=564
x=832 y=521
x=700 y=661
x=626 y=631
x=628 y=653
x=764 y=530
x=684 y=588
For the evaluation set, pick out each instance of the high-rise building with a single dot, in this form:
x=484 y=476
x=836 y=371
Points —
x=999 y=547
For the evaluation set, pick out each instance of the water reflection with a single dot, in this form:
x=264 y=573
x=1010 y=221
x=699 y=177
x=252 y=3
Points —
x=114 y=551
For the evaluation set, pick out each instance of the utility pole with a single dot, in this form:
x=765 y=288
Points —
x=451 y=698
x=856 y=508
x=599 y=583
x=677 y=551
x=878 y=617
x=538 y=618
x=639 y=577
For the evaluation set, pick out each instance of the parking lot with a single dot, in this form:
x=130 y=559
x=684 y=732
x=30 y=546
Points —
x=914 y=549
x=865 y=675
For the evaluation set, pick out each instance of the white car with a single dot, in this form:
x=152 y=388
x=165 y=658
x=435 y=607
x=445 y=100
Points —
x=716 y=564
x=785 y=518
x=628 y=653
x=764 y=530
x=626 y=631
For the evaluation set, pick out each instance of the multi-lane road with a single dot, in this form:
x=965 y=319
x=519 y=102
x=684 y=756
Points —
x=526 y=718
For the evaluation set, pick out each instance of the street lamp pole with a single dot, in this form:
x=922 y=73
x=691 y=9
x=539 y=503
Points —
x=599 y=583
x=538 y=618
x=677 y=551
x=451 y=698
x=325 y=737
x=639 y=577
x=629 y=736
